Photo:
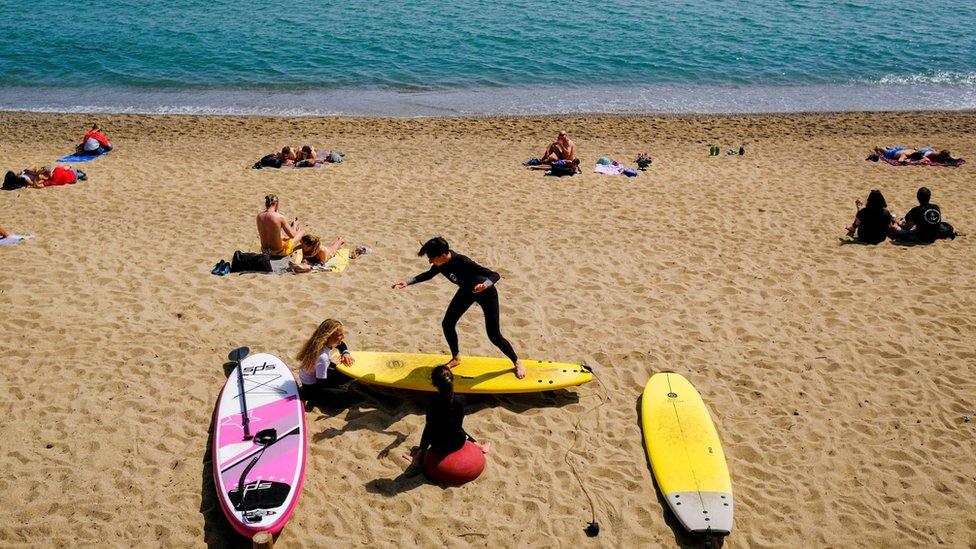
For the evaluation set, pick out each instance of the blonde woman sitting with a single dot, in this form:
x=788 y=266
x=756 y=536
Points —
x=316 y=369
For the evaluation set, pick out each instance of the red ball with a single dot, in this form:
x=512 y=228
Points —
x=456 y=468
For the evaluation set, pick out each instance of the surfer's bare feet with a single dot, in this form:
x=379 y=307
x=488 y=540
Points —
x=453 y=362
x=519 y=369
x=485 y=446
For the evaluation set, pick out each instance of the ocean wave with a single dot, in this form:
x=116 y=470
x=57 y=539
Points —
x=949 y=78
x=531 y=100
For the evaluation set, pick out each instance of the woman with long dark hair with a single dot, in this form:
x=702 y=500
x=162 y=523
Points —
x=873 y=222
x=444 y=432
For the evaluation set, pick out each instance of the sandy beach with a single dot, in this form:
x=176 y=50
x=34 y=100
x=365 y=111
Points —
x=840 y=377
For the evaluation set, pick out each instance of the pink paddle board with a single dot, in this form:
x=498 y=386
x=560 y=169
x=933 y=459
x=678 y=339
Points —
x=259 y=477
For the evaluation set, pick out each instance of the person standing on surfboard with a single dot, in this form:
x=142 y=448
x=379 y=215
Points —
x=476 y=284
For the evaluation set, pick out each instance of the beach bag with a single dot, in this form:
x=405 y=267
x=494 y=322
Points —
x=250 y=262
x=13 y=182
x=945 y=230
x=268 y=161
x=334 y=157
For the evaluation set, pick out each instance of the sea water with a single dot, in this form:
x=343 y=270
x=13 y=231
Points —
x=460 y=57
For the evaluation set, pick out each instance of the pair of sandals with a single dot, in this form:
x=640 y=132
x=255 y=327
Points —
x=221 y=268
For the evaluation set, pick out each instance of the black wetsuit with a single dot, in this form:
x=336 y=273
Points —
x=444 y=431
x=467 y=274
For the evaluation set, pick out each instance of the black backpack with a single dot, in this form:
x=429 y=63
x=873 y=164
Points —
x=268 y=161
x=249 y=262
x=945 y=230
x=12 y=181
x=562 y=169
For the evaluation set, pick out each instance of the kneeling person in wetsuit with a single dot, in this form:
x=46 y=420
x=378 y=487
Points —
x=476 y=284
x=444 y=429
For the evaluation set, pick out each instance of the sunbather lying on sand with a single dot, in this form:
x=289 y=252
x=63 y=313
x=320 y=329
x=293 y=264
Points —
x=40 y=177
x=4 y=233
x=904 y=155
x=313 y=253
x=306 y=157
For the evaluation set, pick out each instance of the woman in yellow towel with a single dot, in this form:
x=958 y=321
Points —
x=314 y=253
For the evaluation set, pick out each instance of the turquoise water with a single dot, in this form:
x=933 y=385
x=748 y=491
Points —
x=426 y=57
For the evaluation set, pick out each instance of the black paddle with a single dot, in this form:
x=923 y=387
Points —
x=237 y=355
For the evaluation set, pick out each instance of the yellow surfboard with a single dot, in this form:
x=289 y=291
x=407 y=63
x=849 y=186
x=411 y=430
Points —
x=473 y=375
x=686 y=454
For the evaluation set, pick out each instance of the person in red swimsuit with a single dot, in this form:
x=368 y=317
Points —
x=94 y=142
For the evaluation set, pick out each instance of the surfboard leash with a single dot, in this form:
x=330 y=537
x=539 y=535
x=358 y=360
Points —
x=593 y=528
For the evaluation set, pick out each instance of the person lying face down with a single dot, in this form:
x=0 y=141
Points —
x=306 y=157
x=904 y=155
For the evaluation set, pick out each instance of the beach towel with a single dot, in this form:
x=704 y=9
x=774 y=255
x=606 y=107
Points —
x=76 y=158
x=612 y=168
x=321 y=159
x=14 y=239
x=925 y=162
x=336 y=264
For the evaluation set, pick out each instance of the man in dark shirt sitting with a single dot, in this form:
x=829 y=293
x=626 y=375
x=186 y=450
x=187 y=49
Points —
x=921 y=223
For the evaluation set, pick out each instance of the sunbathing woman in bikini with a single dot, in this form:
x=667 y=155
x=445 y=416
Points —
x=313 y=253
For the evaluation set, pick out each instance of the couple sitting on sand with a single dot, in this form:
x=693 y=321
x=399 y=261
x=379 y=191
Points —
x=921 y=225
x=280 y=239
x=560 y=154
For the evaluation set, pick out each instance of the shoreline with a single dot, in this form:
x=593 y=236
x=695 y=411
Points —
x=501 y=101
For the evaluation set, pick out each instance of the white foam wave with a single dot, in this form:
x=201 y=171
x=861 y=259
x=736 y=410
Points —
x=938 y=78
x=541 y=100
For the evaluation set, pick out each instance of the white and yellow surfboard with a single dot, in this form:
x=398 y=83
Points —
x=686 y=454
x=474 y=374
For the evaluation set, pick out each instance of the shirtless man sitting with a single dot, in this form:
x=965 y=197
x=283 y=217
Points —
x=562 y=148
x=272 y=225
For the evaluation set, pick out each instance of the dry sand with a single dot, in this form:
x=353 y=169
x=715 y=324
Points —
x=840 y=377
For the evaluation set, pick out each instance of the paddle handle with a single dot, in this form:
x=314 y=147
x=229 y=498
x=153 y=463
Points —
x=245 y=421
